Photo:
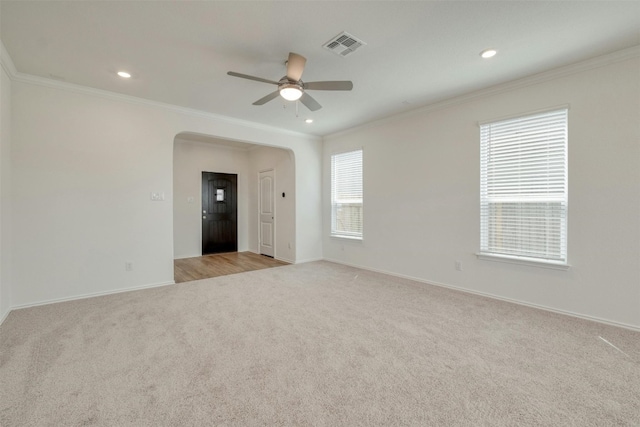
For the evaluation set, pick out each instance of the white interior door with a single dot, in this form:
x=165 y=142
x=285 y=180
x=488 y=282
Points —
x=267 y=213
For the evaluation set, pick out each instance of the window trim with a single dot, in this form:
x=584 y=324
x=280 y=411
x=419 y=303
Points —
x=524 y=260
x=532 y=262
x=332 y=233
x=346 y=237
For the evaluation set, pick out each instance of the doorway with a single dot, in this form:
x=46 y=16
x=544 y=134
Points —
x=219 y=213
x=194 y=154
x=267 y=212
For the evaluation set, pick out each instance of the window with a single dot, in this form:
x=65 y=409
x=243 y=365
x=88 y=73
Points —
x=523 y=187
x=346 y=194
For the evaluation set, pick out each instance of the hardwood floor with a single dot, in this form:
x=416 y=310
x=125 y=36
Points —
x=204 y=267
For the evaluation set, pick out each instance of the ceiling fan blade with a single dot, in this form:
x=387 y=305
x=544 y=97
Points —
x=267 y=98
x=295 y=66
x=245 y=76
x=309 y=102
x=331 y=85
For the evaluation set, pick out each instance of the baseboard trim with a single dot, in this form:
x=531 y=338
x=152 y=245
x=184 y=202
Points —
x=91 y=295
x=188 y=256
x=4 y=316
x=302 y=261
x=496 y=297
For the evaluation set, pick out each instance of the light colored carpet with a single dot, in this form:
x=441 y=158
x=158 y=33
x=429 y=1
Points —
x=315 y=344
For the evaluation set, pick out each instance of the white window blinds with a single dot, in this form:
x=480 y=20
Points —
x=523 y=187
x=346 y=194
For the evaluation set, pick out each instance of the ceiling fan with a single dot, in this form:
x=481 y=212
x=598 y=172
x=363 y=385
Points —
x=291 y=88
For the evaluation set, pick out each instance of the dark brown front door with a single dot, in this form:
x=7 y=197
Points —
x=219 y=213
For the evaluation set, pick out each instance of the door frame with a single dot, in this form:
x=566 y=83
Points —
x=273 y=199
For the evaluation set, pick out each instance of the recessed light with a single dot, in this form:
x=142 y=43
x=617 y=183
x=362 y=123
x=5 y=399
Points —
x=488 y=53
x=124 y=74
x=309 y=121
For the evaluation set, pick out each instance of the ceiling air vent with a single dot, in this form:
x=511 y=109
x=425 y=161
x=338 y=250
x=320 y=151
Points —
x=343 y=44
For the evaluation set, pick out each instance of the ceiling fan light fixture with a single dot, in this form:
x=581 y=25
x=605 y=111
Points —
x=290 y=92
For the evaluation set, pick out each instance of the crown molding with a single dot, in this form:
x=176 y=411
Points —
x=6 y=62
x=556 y=73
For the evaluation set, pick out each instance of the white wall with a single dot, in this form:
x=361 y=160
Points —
x=282 y=162
x=190 y=159
x=421 y=195
x=84 y=164
x=5 y=192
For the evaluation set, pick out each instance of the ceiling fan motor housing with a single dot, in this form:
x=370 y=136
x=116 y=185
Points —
x=285 y=81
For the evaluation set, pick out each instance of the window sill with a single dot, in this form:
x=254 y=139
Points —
x=341 y=236
x=532 y=262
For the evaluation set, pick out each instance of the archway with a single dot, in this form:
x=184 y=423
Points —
x=194 y=153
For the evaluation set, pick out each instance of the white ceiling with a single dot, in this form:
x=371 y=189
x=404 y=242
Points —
x=417 y=52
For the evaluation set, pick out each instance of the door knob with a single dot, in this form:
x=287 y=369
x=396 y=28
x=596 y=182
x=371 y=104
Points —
x=204 y=217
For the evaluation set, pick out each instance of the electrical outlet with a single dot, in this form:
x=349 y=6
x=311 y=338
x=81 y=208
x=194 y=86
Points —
x=458 y=266
x=128 y=266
